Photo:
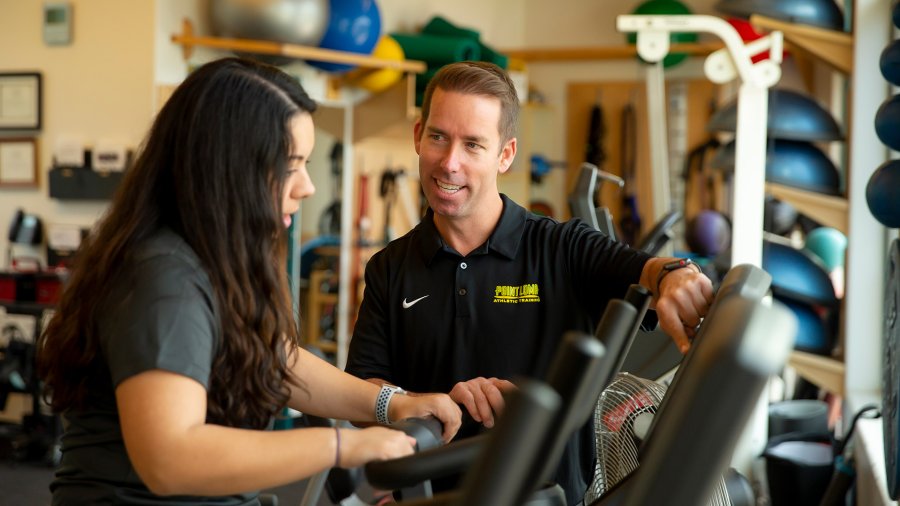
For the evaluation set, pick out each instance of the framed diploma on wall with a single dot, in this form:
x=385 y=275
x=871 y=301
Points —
x=18 y=162
x=20 y=101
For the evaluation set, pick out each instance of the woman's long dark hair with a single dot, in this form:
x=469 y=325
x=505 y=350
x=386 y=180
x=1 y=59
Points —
x=212 y=169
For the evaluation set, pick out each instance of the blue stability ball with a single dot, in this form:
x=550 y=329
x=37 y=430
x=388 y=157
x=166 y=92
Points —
x=829 y=244
x=882 y=194
x=797 y=274
x=792 y=115
x=890 y=63
x=792 y=163
x=821 y=13
x=813 y=335
x=887 y=122
x=708 y=233
x=354 y=26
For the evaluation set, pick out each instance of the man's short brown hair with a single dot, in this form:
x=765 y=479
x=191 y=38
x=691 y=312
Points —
x=478 y=78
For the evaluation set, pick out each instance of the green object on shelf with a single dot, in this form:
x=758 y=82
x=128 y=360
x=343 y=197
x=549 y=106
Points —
x=423 y=78
x=437 y=50
x=489 y=55
x=440 y=26
x=666 y=8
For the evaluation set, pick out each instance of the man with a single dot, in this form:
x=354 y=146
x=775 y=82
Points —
x=482 y=290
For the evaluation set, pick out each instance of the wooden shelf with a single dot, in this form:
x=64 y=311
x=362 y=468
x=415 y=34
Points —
x=188 y=41
x=316 y=301
x=826 y=209
x=372 y=115
x=832 y=47
x=824 y=372
x=375 y=114
x=603 y=52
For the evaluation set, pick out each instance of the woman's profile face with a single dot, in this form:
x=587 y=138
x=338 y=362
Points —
x=298 y=185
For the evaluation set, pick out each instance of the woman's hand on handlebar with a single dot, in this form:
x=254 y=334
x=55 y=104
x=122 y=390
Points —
x=372 y=443
x=439 y=406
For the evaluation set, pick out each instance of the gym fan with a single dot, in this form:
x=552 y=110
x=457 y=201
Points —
x=622 y=419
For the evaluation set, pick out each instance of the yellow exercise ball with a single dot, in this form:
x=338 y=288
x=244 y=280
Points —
x=379 y=80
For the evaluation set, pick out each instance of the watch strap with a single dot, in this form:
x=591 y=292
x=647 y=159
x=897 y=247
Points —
x=673 y=266
x=383 y=402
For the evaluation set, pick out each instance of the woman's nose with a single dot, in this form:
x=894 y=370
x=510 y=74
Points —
x=304 y=187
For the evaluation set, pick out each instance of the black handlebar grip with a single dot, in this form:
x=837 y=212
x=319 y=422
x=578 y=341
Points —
x=426 y=431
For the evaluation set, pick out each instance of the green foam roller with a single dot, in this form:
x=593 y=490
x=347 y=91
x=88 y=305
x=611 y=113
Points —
x=437 y=50
x=440 y=26
x=498 y=59
x=423 y=78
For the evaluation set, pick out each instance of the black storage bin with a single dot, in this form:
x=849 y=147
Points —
x=83 y=184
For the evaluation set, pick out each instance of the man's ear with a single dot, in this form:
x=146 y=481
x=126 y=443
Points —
x=507 y=154
x=417 y=134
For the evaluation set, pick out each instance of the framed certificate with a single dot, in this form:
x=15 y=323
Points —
x=20 y=101
x=18 y=162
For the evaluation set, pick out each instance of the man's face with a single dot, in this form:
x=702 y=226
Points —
x=460 y=154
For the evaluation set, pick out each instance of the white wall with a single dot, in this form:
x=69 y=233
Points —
x=106 y=82
x=99 y=86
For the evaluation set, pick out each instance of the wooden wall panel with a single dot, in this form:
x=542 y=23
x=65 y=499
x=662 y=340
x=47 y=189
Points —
x=613 y=96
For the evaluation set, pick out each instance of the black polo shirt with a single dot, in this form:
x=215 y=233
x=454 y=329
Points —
x=431 y=318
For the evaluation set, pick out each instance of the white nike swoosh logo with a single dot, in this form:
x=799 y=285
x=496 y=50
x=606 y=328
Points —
x=407 y=305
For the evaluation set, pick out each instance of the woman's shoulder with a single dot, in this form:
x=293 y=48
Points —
x=165 y=259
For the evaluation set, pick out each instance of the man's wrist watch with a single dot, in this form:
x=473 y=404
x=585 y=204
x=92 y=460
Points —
x=673 y=266
x=383 y=402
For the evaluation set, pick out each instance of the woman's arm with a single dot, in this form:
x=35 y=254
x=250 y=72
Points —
x=175 y=451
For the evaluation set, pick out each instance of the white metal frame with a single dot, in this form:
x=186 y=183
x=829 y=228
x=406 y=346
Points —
x=724 y=65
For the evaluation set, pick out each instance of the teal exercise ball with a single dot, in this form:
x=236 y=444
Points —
x=829 y=244
x=353 y=26
x=882 y=194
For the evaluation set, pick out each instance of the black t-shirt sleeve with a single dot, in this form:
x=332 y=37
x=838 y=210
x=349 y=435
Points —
x=369 y=355
x=601 y=269
x=160 y=317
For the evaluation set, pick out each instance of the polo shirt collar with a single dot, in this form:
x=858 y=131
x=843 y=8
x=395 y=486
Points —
x=504 y=240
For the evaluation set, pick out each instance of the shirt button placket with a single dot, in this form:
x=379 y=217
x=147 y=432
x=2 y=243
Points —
x=462 y=307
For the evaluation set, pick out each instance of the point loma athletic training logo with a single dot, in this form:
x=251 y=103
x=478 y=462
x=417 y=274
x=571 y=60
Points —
x=505 y=294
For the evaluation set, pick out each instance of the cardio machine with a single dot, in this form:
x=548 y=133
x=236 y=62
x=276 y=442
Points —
x=582 y=205
x=743 y=342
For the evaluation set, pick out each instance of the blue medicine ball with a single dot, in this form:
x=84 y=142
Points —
x=896 y=14
x=882 y=194
x=887 y=122
x=354 y=26
x=890 y=63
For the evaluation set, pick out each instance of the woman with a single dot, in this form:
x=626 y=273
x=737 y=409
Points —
x=174 y=343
